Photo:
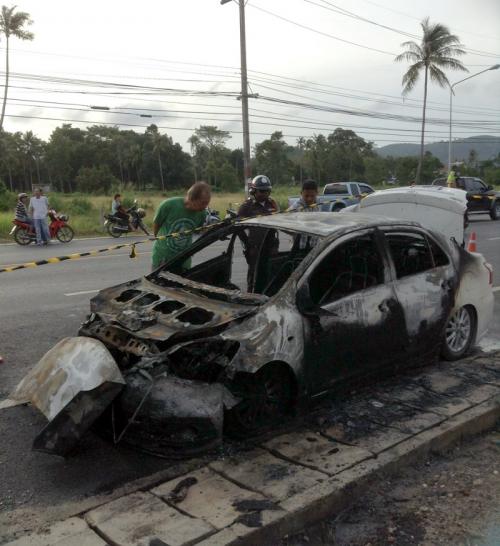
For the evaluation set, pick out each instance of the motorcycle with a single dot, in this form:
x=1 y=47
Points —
x=116 y=226
x=24 y=233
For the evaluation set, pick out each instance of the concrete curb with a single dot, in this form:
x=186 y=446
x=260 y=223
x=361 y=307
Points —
x=295 y=479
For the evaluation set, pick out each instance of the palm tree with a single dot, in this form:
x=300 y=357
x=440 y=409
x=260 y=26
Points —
x=11 y=24
x=437 y=50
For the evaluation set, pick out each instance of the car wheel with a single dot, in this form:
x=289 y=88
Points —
x=459 y=334
x=495 y=210
x=266 y=398
x=337 y=208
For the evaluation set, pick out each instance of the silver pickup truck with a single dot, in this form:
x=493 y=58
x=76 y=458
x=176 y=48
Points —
x=338 y=195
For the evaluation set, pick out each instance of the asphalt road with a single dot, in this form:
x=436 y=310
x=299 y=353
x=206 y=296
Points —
x=40 y=306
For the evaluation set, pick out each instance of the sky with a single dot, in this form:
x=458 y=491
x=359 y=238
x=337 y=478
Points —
x=313 y=65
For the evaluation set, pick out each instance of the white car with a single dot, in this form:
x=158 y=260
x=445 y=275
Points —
x=443 y=210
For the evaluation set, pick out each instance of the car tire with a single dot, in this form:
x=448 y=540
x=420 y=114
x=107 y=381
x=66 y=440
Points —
x=495 y=210
x=266 y=398
x=337 y=208
x=459 y=333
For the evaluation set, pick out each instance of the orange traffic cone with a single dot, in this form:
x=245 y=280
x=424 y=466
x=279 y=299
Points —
x=471 y=247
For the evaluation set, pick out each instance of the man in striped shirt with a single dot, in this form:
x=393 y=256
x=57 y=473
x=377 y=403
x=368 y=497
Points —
x=21 y=210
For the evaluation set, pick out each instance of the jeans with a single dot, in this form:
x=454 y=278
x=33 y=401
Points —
x=42 y=230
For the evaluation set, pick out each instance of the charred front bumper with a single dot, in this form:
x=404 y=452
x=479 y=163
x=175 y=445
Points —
x=169 y=403
x=167 y=415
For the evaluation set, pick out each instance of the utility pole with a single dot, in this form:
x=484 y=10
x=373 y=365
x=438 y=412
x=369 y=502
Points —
x=247 y=173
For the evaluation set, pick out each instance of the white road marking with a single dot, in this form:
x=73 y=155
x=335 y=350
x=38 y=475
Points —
x=496 y=289
x=81 y=293
x=494 y=239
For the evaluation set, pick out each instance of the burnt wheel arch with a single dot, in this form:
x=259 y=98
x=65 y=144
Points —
x=267 y=396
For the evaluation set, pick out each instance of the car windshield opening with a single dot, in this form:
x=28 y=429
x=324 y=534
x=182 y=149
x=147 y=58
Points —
x=242 y=259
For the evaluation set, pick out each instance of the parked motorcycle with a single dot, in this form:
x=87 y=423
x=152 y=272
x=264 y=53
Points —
x=116 y=226
x=59 y=229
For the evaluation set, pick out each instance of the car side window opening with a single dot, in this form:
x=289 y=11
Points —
x=411 y=253
x=355 y=189
x=365 y=189
x=474 y=185
x=350 y=267
x=335 y=189
x=249 y=259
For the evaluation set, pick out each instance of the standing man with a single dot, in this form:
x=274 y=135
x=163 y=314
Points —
x=39 y=208
x=258 y=203
x=452 y=179
x=178 y=214
x=308 y=201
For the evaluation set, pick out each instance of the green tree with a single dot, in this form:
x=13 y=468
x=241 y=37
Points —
x=159 y=144
x=375 y=169
x=438 y=49
x=208 y=145
x=271 y=159
x=97 y=179
x=11 y=24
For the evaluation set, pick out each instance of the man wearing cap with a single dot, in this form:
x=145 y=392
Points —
x=21 y=210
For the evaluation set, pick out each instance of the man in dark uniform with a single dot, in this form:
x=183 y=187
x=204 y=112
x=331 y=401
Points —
x=258 y=203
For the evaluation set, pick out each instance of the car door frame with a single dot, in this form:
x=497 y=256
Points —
x=448 y=285
x=313 y=318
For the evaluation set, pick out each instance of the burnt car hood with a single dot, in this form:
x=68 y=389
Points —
x=159 y=313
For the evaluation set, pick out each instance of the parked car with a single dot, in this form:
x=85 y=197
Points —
x=438 y=208
x=338 y=195
x=208 y=343
x=480 y=196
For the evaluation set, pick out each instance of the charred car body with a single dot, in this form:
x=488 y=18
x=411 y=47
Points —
x=331 y=297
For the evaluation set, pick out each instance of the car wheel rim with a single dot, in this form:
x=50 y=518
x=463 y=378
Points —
x=458 y=330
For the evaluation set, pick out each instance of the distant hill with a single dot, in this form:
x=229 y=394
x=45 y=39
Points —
x=486 y=146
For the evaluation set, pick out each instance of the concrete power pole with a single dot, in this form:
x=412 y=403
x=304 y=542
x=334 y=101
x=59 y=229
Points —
x=247 y=173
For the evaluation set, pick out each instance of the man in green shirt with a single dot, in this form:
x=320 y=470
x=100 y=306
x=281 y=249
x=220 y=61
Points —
x=178 y=214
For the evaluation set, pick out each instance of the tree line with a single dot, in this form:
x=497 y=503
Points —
x=100 y=158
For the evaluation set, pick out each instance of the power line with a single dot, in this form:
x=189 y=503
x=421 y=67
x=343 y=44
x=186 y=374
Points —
x=237 y=69
x=326 y=34
x=336 y=9
x=136 y=89
x=324 y=126
x=193 y=129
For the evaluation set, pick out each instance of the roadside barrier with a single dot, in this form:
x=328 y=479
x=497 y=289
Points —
x=133 y=254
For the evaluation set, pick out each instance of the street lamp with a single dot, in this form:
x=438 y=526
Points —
x=244 y=93
x=494 y=67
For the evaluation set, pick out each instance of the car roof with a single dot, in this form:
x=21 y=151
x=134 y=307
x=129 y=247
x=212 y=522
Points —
x=323 y=224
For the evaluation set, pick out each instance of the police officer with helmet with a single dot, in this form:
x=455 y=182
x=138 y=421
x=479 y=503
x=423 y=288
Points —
x=259 y=240
x=259 y=201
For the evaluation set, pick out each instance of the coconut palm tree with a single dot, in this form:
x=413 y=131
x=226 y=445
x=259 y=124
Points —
x=11 y=24
x=437 y=50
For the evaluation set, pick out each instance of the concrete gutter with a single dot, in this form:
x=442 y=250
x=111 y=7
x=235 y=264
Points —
x=295 y=479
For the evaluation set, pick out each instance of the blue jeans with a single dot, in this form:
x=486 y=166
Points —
x=42 y=230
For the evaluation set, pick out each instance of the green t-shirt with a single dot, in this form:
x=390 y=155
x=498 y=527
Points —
x=172 y=216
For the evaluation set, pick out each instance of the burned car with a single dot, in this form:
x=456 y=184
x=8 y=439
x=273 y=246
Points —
x=223 y=339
